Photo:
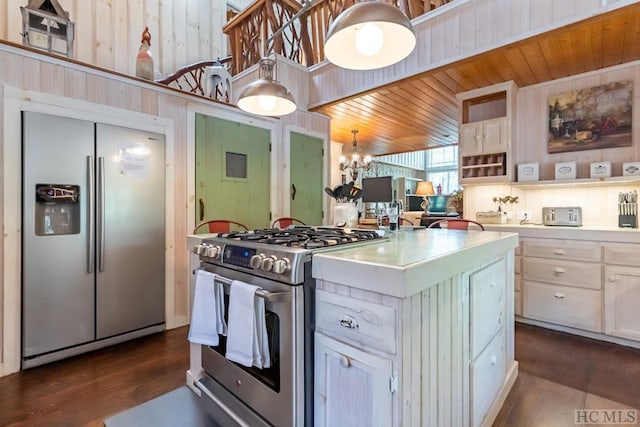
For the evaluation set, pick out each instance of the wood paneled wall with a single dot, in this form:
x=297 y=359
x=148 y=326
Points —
x=533 y=122
x=454 y=31
x=76 y=87
x=108 y=32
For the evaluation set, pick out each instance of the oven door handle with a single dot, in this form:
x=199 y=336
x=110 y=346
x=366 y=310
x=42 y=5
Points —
x=266 y=295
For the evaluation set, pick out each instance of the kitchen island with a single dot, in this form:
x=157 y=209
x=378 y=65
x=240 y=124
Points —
x=416 y=330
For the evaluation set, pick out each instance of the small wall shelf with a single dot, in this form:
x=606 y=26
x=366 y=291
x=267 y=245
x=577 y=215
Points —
x=483 y=165
x=614 y=180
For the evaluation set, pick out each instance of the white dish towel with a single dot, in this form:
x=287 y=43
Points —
x=247 y=340
x=207 y=316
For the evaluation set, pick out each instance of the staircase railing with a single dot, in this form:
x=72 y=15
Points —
x=302 y=41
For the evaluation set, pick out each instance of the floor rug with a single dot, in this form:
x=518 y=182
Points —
x=180 y=407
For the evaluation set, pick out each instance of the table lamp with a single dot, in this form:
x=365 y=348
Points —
x=424 y=189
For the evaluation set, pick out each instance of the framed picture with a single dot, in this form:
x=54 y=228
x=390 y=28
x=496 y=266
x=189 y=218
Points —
x=600 y=169
x=589 y=119
x=566 y=170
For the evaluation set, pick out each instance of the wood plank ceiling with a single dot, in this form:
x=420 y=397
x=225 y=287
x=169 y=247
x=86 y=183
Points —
x=421 y=111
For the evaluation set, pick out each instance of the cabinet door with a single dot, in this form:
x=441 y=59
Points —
x=352 y=388
x=621 y=296
x=494 y=136
x=471 y=139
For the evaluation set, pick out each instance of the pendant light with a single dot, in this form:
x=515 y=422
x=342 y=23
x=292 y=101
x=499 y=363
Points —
x=369 y=35
x=266 y=96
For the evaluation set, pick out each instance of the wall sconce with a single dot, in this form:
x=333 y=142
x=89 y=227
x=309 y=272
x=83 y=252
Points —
x=356 y=163
x=46 y=26
x=369 y=35
x=424 y=189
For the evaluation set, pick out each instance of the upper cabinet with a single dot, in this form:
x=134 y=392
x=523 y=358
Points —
x=487 y=130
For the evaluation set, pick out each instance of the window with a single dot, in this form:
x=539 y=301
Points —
x=236 y=165
x=442 y=168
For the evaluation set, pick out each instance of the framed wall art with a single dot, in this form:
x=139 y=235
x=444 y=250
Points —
x=590 y=119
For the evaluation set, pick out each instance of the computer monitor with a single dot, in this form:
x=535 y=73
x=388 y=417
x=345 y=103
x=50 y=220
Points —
x=377 y=189
x=438 y=205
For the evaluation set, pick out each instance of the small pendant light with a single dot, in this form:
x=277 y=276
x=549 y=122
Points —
x=266 y=96
x=369 y=35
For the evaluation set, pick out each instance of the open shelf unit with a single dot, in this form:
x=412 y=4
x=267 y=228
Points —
x=484 y=165
x=614 y=180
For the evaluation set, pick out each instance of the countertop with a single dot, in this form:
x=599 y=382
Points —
x=601 y=233
x=407 y=262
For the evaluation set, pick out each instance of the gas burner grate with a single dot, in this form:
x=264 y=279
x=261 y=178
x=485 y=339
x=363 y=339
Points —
x=303 y=236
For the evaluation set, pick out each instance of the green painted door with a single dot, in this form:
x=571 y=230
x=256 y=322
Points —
x=306 y=178
x=232 y=172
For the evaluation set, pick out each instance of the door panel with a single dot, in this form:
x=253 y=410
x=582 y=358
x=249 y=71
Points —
x=130 y=289
x=58 y=290
x=306 y=161
x=233 y=164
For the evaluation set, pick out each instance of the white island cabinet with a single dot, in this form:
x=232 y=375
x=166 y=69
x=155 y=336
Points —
x=415 y=330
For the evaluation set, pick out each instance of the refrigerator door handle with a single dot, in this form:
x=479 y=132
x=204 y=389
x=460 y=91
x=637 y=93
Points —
x=91 y=230
x=100 y=217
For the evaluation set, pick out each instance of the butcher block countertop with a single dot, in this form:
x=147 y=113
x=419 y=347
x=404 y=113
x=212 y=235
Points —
x=408 y=262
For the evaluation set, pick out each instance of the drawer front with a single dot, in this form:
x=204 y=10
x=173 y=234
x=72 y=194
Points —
x=487 y=290
x=517 y=303
x=356 y=321
x=563 y=249
x=518 y=262
x=572 y=273
x=487 y=375
x=622 y=254
x=579 y=308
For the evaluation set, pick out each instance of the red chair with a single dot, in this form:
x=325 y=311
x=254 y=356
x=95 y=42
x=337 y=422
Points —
x=286 y=222
x=455 y=224
x=220 y=226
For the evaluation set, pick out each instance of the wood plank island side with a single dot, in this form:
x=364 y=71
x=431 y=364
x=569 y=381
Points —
x=435 y=309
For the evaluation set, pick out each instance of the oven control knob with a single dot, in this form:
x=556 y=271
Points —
x=256 y=261
x=282 y=266
x=267 y=263
x=213 y=251
x=197 y=249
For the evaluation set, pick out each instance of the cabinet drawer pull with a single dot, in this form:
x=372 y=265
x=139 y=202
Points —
x=613 y=278
x=348 y=322
x=494 y=359
x=559 y=252
x=558 y=270
x=558 y=295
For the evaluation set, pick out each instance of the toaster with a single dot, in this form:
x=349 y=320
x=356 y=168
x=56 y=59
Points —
x=569 y=216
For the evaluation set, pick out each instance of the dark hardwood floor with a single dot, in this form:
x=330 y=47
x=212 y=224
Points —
x=558 y=374
x=87 y=389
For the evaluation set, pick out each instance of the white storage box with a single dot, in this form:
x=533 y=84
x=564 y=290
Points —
x=566 y=170
x=631 y=169
x=600 y=169
x=528 y=172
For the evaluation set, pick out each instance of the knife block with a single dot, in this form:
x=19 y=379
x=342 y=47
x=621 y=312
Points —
x=628 y=221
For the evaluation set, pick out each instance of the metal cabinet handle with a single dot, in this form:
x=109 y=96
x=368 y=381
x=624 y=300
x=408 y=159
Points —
x=494 y=359
x=558 y=270
x=101 y=207
x=613 y=278
x=293 y=191
x=558 y=295
x=559 y=252
x=91 y=231
x=345 y=361
x=201 y=204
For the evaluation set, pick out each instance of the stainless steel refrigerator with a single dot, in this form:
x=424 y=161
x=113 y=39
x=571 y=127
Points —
x=93 y=243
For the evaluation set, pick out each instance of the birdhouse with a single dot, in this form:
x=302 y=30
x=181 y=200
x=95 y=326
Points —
x=46 y=26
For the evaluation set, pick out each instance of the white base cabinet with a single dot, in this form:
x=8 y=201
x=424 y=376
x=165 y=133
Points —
x=622 y=290
x=352 y=388
x=450 y=363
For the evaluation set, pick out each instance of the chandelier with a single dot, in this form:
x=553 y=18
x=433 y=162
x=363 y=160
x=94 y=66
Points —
x=356 y=163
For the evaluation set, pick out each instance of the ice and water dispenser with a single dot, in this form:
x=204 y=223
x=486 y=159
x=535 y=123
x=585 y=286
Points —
x=57 y=209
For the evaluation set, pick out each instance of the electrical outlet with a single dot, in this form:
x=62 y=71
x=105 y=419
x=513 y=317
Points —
x=523 y=215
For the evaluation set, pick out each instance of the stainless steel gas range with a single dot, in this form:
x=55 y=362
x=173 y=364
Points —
x=279 y=262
